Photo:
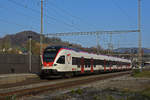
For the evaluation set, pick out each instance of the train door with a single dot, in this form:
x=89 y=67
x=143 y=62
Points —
x=129 y=66
x=92 y=65
x=82 y=64
x=118 y=68
x=110 y=65
x=68 y=59
x=104 y=65
x=126 y=66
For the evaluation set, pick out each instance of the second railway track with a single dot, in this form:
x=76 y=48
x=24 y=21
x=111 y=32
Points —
x=35 y=89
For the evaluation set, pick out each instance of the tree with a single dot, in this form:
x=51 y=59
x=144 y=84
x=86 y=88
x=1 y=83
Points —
x=5 y=45
x=35 y=48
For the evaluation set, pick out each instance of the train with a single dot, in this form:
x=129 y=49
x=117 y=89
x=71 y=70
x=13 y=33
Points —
x=67 y=62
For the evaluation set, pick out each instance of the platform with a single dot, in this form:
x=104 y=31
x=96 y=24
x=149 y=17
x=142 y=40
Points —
x=14 y=78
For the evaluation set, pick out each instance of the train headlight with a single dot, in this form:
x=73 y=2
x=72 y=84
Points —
x=54 y=64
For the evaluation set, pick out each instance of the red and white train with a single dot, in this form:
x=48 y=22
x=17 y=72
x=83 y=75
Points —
x=63 y=61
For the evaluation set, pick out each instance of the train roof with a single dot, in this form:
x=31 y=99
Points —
x=103 y=56
x=65 y=47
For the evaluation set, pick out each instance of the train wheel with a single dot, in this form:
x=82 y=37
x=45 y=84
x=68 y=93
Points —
x=42 y=76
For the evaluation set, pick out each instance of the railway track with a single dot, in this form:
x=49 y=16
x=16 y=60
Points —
x=60 y=84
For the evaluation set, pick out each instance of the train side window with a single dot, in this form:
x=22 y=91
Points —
x=89 y=62
x=85 y=65
x=78 y=62
x=74 y=61
x=86 y=62
x=61 y=60
x=102 y=62
x=118 y=64
x=78 y=65
x=114 y=63
x=89 y=65
x=94 y=63
x=110 y=63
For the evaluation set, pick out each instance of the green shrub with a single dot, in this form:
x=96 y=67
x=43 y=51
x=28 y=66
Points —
x=110 y=97
x=73 y=91
x=146 y=92
x=135 y=71
x=12 y=97
x=142 y=74
x=96 y=97
x=79 y=91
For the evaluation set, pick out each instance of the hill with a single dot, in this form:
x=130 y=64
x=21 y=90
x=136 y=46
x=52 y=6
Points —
x=132 y=50
x=20 y=40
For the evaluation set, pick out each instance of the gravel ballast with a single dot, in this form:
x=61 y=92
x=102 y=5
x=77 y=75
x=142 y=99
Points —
x=119 y=88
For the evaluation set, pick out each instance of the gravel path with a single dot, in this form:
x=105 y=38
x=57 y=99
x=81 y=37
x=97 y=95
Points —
x=100 y=90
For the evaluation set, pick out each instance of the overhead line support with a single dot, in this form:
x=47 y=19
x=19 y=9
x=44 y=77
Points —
x=140 y=35
x=91 y=33
x=41 y=33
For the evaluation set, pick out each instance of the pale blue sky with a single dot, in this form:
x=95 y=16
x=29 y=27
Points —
x=78 y=15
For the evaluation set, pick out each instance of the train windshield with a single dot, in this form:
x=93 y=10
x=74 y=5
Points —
x=50 y=54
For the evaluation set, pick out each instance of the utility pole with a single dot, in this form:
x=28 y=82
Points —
x=140 y=36
x=110 y=45
x=98 y=45
x=30 y=53
x=41 y=33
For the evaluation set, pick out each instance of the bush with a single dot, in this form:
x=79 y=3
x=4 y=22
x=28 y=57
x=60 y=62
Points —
x=135 y=72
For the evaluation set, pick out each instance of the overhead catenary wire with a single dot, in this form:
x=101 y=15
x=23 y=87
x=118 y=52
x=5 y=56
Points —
x=59 y=14
x=129 y=18
x=34 y=19
x=46 y=15
x=67 y=13
x=19 y=25
x=64 y=22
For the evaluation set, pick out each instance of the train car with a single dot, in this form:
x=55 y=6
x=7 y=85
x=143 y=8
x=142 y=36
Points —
x=66 y=62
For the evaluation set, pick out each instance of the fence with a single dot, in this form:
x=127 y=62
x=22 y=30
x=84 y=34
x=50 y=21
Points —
x=15 y=63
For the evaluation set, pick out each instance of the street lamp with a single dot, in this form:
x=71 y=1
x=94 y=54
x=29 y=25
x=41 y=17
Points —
x=30 y=53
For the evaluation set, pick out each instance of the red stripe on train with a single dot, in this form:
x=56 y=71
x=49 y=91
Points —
x=82 y=65
x=92 y=65
x=104 y=65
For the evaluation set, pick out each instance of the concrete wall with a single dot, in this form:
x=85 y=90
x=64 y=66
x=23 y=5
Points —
x=18 y=63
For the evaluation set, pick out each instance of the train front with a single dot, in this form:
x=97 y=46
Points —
x=48 y=58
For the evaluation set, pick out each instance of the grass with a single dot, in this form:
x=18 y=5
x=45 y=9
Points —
x=96 y=97
x=57 y=98
x=138 y=73
x=144 y=74
x=78 y=91
x=13 y=97
x=109 y=97
x=146 y=92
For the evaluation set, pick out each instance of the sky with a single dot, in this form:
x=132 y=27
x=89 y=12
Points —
x=79 y=16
